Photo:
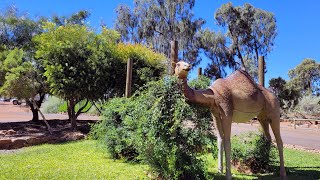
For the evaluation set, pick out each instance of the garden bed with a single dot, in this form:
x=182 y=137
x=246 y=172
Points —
x=14 y=135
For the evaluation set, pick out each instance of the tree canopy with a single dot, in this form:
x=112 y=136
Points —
x=250 y=33
x=156 y=23
x=305 y=77
x=83 y=65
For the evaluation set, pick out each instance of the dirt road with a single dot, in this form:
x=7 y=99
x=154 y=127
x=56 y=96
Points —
x=16 y=113
x=304 y=137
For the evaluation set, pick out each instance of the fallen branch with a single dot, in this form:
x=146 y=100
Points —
x=44 y=119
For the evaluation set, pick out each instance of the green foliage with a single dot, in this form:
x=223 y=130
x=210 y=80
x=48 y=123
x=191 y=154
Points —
x=309 y=105
x=254 y=151
x=17 y=29
x=288 y=96
x=56 y=105
x=147 y=65
x=306 y=77
x=219 y=55
x=20 y=78
x=76 y=61
x=52 y=105
x=250 y=30
x=158 y=127
x=156 y=23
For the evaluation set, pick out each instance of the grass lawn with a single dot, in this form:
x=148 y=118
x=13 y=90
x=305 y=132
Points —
x=84 y=160
x=76 y=160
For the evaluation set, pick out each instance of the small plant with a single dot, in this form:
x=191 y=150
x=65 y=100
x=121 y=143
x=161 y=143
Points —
x=253 y=151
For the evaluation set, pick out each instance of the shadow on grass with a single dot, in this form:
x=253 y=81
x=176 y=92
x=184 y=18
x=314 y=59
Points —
x=294 y=173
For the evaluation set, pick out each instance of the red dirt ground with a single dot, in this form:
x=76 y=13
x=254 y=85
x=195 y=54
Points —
x=304 y=137
x=16 y=129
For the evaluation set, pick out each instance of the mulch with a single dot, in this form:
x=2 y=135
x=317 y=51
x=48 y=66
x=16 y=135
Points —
x=15 y=135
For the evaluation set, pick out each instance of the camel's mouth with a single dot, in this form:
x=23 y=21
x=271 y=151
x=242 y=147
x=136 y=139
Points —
x=187 y=69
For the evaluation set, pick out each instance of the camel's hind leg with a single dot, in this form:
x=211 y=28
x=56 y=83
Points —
x=264 y=125
x=275 y=126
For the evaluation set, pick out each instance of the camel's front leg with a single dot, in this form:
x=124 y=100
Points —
x=220 y=143
x=226 y=125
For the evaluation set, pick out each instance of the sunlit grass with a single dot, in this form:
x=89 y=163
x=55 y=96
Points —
x=77 y=160
x=84 y=160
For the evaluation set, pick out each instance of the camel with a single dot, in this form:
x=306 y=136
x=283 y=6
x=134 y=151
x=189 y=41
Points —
x=237 y=98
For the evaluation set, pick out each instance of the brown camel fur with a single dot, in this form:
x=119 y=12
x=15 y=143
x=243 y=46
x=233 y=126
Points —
x=236 y=98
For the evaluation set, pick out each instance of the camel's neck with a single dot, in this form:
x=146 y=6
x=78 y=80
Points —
x=187 y=91
x=202 y=97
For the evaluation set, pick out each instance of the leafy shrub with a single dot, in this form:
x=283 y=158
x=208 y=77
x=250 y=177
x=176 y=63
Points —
x=52 y=105
x=309 y=104
x=158 y=127
x=253 y=151
x=56 y=105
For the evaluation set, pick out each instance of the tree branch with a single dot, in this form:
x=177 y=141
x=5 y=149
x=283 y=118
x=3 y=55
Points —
x=80 y=110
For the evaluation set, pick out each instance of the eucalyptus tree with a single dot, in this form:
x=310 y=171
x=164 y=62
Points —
x=251 y=31
x=214 y=47
x=305 y=77
x=157 y=22
x=287 y=95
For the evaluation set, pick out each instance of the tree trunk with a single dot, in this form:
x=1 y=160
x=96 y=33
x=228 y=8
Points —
x=72 y=114
x=35 y=114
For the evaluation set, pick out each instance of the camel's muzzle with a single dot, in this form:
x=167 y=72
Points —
x=187 y=69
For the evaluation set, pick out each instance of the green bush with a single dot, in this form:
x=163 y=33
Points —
x=56 y=105
x=253 y=151
x=309 y=104
x=52 y=105
x=158 y=127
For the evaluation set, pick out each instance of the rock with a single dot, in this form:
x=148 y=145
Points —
x=10 y=132
x=36 y=140
x=71 y=136
x=18 y=143
x=5 y=143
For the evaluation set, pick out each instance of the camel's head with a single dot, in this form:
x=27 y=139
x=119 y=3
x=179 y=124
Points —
x=182 y=69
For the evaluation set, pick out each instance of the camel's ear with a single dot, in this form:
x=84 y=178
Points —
x=173 y=63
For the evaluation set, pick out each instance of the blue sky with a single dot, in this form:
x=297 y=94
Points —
x=298 y=24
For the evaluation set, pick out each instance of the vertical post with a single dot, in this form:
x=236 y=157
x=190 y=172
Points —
x=294 y=124
x=129 y=78
x=199 y=72
x=261 y=70
x=173 y=55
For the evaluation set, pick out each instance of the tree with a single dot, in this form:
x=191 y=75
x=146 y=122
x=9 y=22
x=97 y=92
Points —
x=288 y=96
x=155 y=23
x=250 y=30
x=76 y=62
x=214 y=47
x=82 y=65
x=17 y=53
x=17 y=29
x=305 y=77
x=76 y=18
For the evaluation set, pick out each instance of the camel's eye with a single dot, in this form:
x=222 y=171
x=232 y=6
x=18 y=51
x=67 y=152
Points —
x=178 y=64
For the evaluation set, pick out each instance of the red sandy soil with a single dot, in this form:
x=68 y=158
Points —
x=15 y=125
x=16 y=129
